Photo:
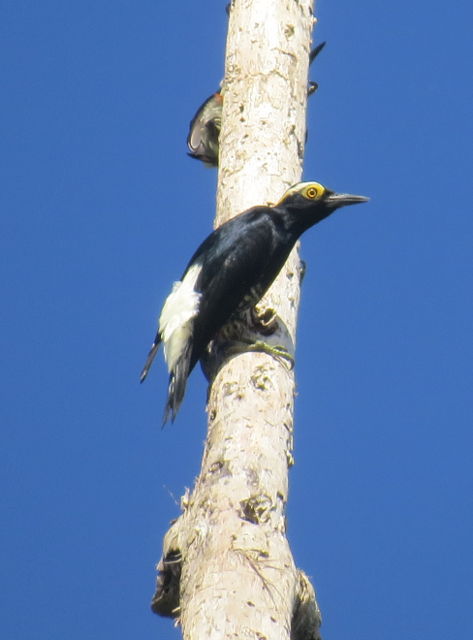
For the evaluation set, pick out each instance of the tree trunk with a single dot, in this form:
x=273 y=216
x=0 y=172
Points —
x=227 y=570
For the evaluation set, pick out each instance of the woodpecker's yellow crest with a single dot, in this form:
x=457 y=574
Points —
x=308 y=190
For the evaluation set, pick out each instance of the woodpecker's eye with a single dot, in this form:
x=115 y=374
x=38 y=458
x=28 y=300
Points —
x=311 y=193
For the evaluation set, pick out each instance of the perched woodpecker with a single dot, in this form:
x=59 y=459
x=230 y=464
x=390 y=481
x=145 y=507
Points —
x=204 y=129
x=229 y=273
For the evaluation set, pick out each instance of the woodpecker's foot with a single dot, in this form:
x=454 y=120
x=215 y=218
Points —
x=312 y=88
x=277 y=351
x=265 y=321
x=280 y=353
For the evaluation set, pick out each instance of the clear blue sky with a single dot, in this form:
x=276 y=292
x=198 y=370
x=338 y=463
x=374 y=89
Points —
x=101 y=209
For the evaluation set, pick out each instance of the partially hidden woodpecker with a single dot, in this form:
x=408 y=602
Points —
x=229 y=273
x=204 y=129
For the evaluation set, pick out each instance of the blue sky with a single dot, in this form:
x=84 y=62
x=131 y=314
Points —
x=101 y=209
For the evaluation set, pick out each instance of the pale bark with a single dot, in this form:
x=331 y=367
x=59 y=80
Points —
x=227 y=570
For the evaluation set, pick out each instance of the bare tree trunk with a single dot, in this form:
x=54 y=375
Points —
x=227 y=570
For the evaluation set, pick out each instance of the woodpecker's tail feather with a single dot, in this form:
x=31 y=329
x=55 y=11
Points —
x=315 y=52
x=151 y=355
x=177 y=386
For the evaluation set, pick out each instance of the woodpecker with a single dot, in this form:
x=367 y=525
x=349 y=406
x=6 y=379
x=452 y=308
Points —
x=204 y=129
x=229 y=273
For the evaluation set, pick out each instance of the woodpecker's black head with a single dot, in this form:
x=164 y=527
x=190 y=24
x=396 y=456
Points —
x=310 y=202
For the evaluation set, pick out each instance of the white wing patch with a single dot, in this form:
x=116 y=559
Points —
x=175 y=322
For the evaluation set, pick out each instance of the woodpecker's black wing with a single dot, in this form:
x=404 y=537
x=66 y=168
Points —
x=239 y=262
x=230 y=271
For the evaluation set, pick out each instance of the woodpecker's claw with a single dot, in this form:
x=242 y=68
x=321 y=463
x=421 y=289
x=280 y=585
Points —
x=264 y=320
x=312 y=88
x=280 y=353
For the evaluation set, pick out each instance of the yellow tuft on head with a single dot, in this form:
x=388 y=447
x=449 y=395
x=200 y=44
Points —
x=308 y=190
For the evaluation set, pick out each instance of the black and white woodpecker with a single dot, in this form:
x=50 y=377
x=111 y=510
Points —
x=204 y=129
x=229 y=273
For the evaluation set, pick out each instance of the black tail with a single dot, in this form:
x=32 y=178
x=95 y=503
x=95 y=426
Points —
x=151 y=355
x=315 y=52
x=177 y=386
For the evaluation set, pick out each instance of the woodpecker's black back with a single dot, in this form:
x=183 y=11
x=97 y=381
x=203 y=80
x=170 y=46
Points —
x=239 y=262
x=230 y=272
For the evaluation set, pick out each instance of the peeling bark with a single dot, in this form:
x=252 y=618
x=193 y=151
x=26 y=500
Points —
x=227 y=570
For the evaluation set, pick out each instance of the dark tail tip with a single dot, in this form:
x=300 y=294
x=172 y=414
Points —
x=170 y=411
x=176 y=387
x=315 y=51
x=149 y=360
